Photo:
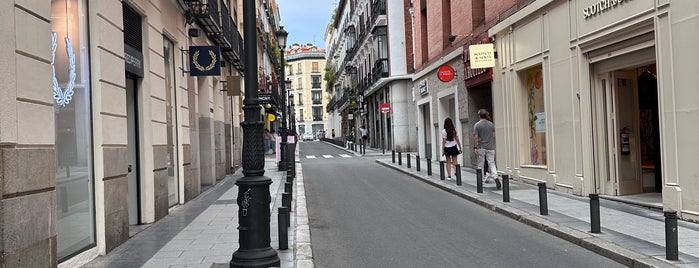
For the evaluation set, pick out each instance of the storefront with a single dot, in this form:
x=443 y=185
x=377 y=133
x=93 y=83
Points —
x=599 y=104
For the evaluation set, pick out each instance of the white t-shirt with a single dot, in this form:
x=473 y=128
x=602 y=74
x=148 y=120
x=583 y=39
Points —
x=449 y=143
x=363 y=131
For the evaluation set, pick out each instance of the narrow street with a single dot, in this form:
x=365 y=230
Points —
x=364 y=215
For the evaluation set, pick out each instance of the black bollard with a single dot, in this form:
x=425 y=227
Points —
x=407 y=158
x=417 y=162
x=594 y=214
x=363 y=148
x=505 y=188
x=282 y=226
x=671 y=250
x=479 y=180
x=289 y=187
x=457 y=172
x=429 y=166
x=400 y=158
x=441 y=170
x=543 y=203
x=393 y=156
x=286 y=200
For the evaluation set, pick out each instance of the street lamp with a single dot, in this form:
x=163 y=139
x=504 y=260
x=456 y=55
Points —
x=291 y=159
x=253 y=188
x=281 y=35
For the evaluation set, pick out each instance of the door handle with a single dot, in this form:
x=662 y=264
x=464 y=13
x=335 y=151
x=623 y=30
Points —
x=129 y=169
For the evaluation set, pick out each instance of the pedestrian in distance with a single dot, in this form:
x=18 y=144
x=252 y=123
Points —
x=451 y=146
x=267 y=138
x=333 y=133
x=484 y=146
x=365 y=135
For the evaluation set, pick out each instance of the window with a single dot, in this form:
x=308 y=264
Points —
x=299 y=83
x=535 y=151
x=299 y=70
x=317 y=96
x=301 y=118
x=75 y=218
x=317 y=113
x=291 y=69
x=300 y=99
x=171 y=117
x=315 y=81
x=314 y=67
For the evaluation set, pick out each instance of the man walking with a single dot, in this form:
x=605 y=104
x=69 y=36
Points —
x=484 y=146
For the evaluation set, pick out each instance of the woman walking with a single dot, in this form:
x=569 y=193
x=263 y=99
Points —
x=451 y=146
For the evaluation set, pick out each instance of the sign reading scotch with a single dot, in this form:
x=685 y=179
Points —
x=482 y=56
x=204 y=60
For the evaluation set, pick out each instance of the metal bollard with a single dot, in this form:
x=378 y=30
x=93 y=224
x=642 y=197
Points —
x=282 y=226
x=407 y=158
x=393 y=156
x=417 y=162
x=400 y=158
x=363 y=148
x=479 y=180
x=505 y=188
x=543 y=203
x=671 y=251
x=286 y=200
x=457 y=172
x=441 y=170
x=594 y=214
x=289 y=188
x=429 y=166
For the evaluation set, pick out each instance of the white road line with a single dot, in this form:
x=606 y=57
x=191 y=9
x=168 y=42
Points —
x=345 y=155
x=327 y=156
x=310 y=156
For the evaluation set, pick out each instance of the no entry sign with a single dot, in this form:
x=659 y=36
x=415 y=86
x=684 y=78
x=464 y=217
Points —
x=385 y=108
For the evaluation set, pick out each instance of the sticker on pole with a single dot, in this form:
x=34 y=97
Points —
x=385 y=108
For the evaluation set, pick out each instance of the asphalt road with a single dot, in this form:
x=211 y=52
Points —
x=365 y=215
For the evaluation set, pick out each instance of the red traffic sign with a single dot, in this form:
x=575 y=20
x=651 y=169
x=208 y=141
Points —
x=385 y=108
x=446 y=73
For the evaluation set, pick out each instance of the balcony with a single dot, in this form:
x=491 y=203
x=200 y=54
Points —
x=232 y=47
x=216 y=22
x=315 y=85
x=380 y=69
x=317 y=101
x=330 y=106
x=317 y=117
x=378 y=8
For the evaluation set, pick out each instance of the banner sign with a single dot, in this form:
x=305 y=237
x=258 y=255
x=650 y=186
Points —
x=204 y=60
x=133 y=61
x=265 y=98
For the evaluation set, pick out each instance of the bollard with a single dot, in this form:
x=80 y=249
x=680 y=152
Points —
x=286 y=201
x=282 y=226
x=594 y=213
x=407 y=158
x=429 y=166
x=441 y=170
x=543 y=203
x=363 y=148
x=479 y=180
x=393 y=156
x=289 y=187
x=457 y=172
x=671 y=251
x=505 y=188
x=400 y=158
x=417 y=162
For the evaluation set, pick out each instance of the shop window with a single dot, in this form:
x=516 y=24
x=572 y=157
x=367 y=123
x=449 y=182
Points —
x=534 y=149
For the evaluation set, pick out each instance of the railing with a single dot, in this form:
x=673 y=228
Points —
x=317 y=118
x=380 y=69
x=233 y=43
x=317 y=101
x=378 y=7
x=315 y=85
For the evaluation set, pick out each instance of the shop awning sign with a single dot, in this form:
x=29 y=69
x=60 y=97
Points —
x=204 y=60
x=482 y=56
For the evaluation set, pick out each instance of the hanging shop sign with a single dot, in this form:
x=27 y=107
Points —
x=133 y=60
x=265 y=98
x=446 y=73
x=204 y=60
x=482 y=56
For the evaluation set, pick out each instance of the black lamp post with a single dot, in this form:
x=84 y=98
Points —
x=253 y=189
x=281 y=35
x=290 y=105
x=292 y=154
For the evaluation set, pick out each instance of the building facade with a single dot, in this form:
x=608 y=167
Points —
x=369 y=46
x=596 y=97
x=305 y=65
x=104 y=126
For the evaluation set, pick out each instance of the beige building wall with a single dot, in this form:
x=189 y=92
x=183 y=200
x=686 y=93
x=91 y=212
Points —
x=573 y=56
x=301 y=83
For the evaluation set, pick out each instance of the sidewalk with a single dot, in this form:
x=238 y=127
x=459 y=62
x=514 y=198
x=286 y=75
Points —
x=631 y=235
x=203 y=232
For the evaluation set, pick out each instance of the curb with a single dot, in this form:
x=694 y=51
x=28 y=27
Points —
x=595 y=244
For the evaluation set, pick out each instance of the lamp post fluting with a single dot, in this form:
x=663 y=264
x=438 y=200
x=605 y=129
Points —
x=281 y=35
x=253 y=188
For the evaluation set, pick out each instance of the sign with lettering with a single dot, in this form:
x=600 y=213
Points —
x=133 y=60
x=422 y=87
x=446 y=73
x=482 y=56
x=204 y=60
x=265 y=98
x=599 y=7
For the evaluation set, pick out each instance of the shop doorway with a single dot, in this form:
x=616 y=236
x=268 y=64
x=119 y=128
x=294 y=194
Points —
x=627 y=134
x=134 y=178
x=426 y=113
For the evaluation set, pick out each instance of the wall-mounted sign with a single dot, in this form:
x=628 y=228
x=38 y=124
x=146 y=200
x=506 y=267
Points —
x=204 y=60
x=599 y=7
x=134 y=61
x=385 y=108
x=482 y=56
x=446 y=73
x=422 y=87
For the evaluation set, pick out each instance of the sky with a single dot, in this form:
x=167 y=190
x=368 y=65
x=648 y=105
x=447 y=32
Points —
x=306 y=20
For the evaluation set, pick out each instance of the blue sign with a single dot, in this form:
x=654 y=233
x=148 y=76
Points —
x=204 y=60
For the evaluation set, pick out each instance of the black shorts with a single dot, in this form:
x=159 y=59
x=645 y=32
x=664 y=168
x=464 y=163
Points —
x=451 y=151
x=365 y=137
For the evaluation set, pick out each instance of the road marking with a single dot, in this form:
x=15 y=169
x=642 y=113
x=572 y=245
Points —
x=327 y=156
x=310 y=156
x=345 y=155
